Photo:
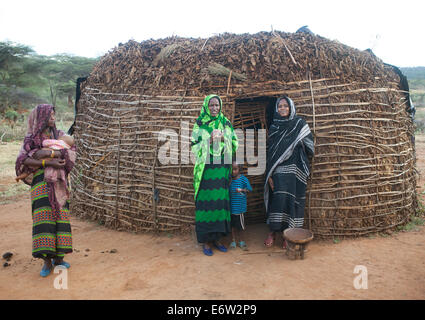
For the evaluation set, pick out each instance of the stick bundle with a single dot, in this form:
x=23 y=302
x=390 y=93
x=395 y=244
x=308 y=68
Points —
x=363 y=178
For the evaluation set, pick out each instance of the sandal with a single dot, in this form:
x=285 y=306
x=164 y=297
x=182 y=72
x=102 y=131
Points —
x=207 y=252
x=220 y=247
x=45 y=271
x=243 y=245
x=232 y=245
x=270 y=240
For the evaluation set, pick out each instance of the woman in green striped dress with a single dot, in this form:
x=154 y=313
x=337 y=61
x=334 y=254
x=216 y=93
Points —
x=214 y=143
x=51 y=232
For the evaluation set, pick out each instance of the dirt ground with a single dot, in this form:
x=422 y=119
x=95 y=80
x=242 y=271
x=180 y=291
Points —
x=173 y=267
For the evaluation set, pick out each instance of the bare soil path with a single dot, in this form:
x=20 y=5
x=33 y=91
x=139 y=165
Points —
x=145 y=266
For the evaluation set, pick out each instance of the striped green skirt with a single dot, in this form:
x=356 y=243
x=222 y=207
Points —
x=212 y=213
x=51 y=231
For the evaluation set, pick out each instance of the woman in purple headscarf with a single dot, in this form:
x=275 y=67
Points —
x=51 y=235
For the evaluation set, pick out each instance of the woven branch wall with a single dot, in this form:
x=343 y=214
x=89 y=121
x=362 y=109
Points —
x=363 y=178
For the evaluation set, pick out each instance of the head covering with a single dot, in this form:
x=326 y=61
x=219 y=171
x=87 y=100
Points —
x=285 y=133
x=201 y=135
x=292 y=112
x=38 y=121
x=205 y=116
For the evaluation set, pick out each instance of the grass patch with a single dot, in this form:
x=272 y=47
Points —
x=8 y=134
x=13 y=191
x=420 y=113
x=9 y=189
x=420 y=211
x=8 y=154
x=419 y=137
x=413 y=224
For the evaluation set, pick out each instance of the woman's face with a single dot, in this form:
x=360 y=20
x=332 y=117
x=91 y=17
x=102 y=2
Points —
x=52 y=120
x=214 y=106
x=283 y=108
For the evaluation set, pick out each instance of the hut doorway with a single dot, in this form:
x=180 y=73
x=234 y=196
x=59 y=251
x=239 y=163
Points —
x=254 y=113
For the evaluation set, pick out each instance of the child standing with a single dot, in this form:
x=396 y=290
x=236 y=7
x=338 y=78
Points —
x=239 y=187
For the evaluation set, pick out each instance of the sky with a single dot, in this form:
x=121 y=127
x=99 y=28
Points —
x=394 y=30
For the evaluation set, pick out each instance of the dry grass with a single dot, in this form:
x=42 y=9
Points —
x=420 y=138
x=9 y=189
x=220 y=70
x=165 y=52
x=8 y=154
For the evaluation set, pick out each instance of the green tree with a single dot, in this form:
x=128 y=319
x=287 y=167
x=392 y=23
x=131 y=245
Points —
x=14 y=72
x=27 y=78
x=61 y=72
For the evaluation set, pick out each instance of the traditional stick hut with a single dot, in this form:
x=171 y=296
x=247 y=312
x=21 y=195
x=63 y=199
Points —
x=363 y=178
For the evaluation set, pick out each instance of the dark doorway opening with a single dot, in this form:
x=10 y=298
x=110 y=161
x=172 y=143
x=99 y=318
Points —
x=254 y=113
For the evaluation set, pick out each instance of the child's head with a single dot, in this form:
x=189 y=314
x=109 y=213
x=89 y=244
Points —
x=69 y=140
x=236 y=169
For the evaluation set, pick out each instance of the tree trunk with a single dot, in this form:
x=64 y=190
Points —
x=53 y=94
x=70 y=102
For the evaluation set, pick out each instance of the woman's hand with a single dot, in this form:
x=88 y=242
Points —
x=46 y=153
x=271 y=183
x=55 y=163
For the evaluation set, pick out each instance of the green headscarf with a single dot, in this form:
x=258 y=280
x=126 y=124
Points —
x=201 y=136
x=205 y=116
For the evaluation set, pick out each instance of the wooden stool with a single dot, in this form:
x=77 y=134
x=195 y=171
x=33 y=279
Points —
x=297 y=240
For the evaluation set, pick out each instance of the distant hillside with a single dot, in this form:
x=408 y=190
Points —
x=415 y=73
x=416 y=78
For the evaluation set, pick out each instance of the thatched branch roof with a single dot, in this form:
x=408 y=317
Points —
x=178 y=63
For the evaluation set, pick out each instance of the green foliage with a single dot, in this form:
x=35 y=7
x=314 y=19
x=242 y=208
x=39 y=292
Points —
x=14 y=71
x=27 y=79
x=61 y=72
x=420 y=120
x=420 y=212
x=14 y=132
x=11 y=57
x=416 y=79
x=11 y=115
x=412 y=225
